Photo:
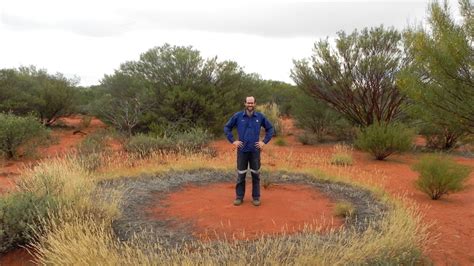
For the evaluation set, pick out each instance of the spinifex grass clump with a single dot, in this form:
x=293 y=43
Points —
x=272 y=113
x=342 y=155
x=344 y=209
x=45 y=192
x=91 y=149
x=384 y=139
x=440 y=175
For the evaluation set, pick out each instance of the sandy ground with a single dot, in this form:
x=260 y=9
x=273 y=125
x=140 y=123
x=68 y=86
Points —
x=284 y=209
x=453 y=216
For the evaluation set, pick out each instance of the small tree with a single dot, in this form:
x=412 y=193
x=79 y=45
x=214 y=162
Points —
x=382 y=140
x=440 y=175
x=440 y=76
x=33 y=91
x=314 y=116
x=358 y=77
x=15 y=131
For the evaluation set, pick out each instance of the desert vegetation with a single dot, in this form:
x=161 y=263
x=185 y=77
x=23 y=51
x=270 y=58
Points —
x=360 y=108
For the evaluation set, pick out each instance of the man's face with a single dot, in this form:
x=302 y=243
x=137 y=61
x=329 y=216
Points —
x=250 y=104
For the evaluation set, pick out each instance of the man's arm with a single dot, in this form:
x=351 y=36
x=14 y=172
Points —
x=268 y=130
x=228 y=128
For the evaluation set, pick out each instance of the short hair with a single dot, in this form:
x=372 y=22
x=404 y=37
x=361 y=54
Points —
x=254 y=100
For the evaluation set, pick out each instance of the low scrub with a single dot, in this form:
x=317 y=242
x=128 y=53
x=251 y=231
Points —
x=193 y=140
x=16 y=131
x=91 y=149
x=382 y=139
x=440 y=175
x=342 y=155
x=145 y=145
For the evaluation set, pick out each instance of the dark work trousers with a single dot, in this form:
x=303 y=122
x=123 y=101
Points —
x=247 y=160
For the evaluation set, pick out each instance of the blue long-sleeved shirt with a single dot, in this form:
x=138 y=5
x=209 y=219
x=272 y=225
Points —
x=248 y=129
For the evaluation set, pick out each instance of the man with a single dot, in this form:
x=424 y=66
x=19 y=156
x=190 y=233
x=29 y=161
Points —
x=248 y=146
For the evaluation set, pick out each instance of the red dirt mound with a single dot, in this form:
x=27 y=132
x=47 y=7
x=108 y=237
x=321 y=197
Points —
x=285 y=208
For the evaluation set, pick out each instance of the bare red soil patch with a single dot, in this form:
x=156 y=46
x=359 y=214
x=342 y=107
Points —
x=285 y=208
x=18 y=257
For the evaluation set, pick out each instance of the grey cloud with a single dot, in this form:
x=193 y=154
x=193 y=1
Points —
x=299 y=19
x=288 y=19
x=87 y=27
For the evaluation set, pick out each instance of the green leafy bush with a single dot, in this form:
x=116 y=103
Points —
x=20 y=215
x=16 y=131
x=440 y=175
x=309 y=139
x=382 y=140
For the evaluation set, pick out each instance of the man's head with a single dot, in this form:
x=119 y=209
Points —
x=250 y=103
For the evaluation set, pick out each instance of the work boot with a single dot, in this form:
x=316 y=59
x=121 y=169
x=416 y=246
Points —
x=238 y=202
x=256 y=202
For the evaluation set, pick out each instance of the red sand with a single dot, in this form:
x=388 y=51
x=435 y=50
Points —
x=285 y=207
x=453 y=215
x=18 y=257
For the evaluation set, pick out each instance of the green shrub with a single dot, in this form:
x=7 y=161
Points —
x=440 y=175
x=309 y=139
x=441 y=138
x=382 y=140
x=316 y=117
x=16 y=131
x=20 y=216
x=342 y=155
x=344 y=209
x=279 y=141
x=193 y=139
x=144 y=145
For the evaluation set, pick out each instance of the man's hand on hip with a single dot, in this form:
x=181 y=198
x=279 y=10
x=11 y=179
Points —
x=259 y=145
x=238 y=144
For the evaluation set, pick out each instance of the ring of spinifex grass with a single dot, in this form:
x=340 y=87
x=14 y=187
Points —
x=146 y=192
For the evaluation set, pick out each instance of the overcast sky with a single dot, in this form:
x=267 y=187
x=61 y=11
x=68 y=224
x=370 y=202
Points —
x=90 y=38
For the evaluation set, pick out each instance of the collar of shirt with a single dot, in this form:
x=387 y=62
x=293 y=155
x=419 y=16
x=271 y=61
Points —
x=246 y=114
